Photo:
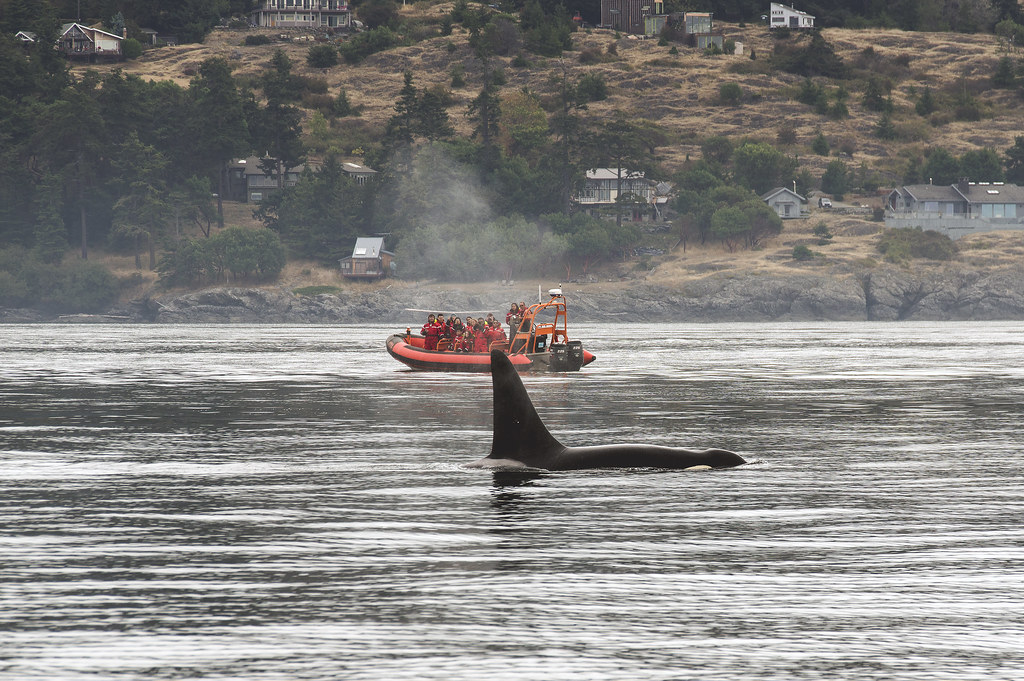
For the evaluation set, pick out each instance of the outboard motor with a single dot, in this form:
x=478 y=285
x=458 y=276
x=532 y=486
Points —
x=574 y=350
x=559 y=358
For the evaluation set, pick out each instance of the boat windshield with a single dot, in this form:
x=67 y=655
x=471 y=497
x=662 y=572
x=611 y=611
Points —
x=542 y=325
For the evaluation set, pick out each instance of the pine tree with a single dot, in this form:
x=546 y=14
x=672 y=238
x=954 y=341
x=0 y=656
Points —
x=49 y=233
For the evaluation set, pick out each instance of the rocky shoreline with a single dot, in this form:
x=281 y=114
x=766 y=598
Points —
x=952 y=293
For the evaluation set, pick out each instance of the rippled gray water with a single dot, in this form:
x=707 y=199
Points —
x=228 y=502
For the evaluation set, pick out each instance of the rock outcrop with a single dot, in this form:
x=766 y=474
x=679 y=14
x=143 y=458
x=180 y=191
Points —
x=886 y=293
x=880 y=294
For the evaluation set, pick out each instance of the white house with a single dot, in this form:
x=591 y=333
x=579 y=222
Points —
x=302 y=13
x=78 y=40
x=784 y=16
x=603 y=186
x=786 y=202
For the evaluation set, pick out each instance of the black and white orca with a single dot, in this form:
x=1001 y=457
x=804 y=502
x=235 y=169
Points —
x=521 y=441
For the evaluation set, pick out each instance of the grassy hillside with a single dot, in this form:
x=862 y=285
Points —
x=680 y=93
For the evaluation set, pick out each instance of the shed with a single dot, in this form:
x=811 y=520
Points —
x=369 y=260
x=786 y=202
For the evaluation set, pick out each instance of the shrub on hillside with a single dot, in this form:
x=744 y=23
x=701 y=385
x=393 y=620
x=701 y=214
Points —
x=322 y=56
x=899 y=245
x=243 y=253
x=362 y=45
x=592 y=88
x=78 y=287
x=131 y=48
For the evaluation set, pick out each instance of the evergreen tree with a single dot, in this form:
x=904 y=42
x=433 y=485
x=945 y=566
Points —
x=71 y=140
x=1015 y=161
x=940 y=167
x=1005 y=74
x=50 y=236
x=885 y=129
x=836 y=179
x=925 y=105
x=485 y=112
x=214 y=97
x=820 y=145
x=982 y=165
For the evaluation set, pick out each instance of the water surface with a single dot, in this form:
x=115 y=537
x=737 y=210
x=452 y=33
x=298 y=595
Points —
x=247 y=502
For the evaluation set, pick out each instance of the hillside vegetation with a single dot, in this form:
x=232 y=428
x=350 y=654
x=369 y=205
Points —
x=865 y=117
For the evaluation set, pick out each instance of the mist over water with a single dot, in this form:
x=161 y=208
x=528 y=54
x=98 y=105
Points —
x=249 y=502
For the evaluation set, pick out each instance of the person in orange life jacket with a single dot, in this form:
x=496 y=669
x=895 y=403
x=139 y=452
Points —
x=480 y=337
x=443 y=331
x=432 y=331
x=456 y=328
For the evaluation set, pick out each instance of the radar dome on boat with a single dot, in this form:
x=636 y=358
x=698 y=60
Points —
x=555 y=291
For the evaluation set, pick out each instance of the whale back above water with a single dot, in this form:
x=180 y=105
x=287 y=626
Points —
x=521 y=440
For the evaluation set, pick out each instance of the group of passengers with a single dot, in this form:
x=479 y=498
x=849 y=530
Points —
x=475 y=335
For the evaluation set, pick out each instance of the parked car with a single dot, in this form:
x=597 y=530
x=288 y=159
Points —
x=824 y=202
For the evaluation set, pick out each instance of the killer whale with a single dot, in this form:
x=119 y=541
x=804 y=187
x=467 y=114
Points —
x=521 y=440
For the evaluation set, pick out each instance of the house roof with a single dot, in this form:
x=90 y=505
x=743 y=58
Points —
x=932 y=192
x=356 y=169
x=88 y=30
x=769 y=195
x=368 y=247
x=26 y=36
x=994 y=192
x=612 y=174
x=790 y=9
x=251 y=166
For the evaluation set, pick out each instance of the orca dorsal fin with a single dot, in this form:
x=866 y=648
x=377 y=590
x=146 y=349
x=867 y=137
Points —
x=519 y=434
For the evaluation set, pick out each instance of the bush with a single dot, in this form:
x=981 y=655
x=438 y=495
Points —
x=592 y=88
x=79 y=287
x=245 y=253
x=322 y=56
x=258 y=39
x=131 y=48
x=362 y=45
x=820 y=145
x=801 y=252
x=730 y=93
x=899 y=245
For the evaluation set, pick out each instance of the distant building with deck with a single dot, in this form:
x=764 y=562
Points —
x=369 y=260
x=958 y=209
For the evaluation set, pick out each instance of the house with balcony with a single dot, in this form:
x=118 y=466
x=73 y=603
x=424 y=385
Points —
x=602 y=188
x=302 y=14
x=784 y=16
x=252 y=179
x=78 y=41
x=958 y=209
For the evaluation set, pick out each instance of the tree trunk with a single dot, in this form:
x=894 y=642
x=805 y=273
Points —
x=220 y=198
x=81 y=208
